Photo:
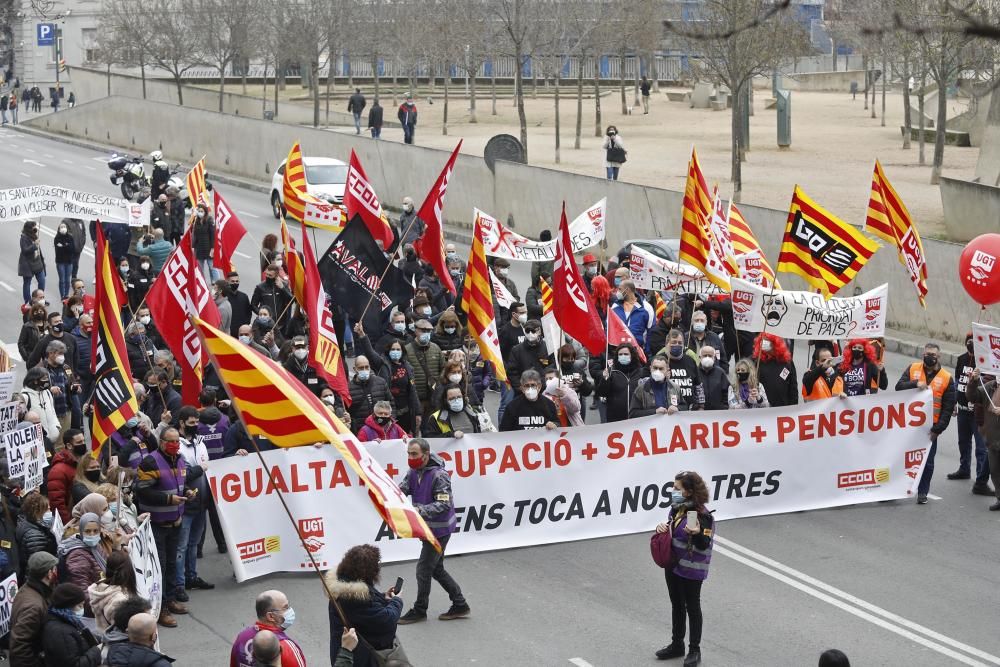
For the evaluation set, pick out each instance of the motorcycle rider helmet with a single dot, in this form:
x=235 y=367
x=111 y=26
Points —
x=156 y=156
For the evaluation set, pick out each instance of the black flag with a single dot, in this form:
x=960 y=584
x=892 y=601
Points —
x=352 y=268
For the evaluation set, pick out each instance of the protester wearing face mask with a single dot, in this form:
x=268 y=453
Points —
x=34 y=527
x=62 y=473
x=692 y=544
x=411 y=266
x=162 y=401
x=747 y=392
x=65 y=639
x=448 y=334
x=271 y=295
x=530 y=409
x=32 y=331
x=298 y=365
x=427 y=361
x=822 y=380
x=701 y=336
x=366 y=389
x=395 y=331
x=239 y=304
x=501 y=269
x=921 y=375
x=615 y=381
x=86 y=479
x=439 y=296
x=266 y=333
x=455 y=373
x=656 y=394
x=632 y=311
x=967 y=428
x=56 y=332
x=860 y=369
x=983 y=396
x=532 y=354
x=380 y=425
x=456 y=271
x=684 y=371
x=245 y=336
x=274 y=613
x=84 y=554
x=63 y=383
x=590 y=269
x=410 y=226
x=454 y=417
x=775 y=370
x=563 y=396
x=138 y=281
x=614 y=152
x=31 y=262
x=203 y=240
x=714 y=380
x=195 y=455
x=38 y=398
x=65 y=251
x=392 y=366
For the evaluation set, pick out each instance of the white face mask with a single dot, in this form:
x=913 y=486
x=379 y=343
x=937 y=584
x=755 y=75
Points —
x=531 y=337
x=456 y=404
x=707 y=362
x=144 y=266
x=200 y=213
x=551 y=385
x=522 y=318
x=502 y=272
x=300 y=353
x=455 y=378
x=531 y=393
x=658 y=376
x=60 y=359
x=245 y=340
x=145 y=319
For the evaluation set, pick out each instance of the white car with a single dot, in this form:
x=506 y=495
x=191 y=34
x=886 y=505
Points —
x=325 y=178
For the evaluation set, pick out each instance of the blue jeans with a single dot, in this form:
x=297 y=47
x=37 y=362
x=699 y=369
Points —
x=408 y=133
x=612 y=173
x=357 y=123
x=925 y=479
x=26 y=285
x=376 y=132
x=192 y=528
x=507 y=394
x=967 y=431
x=65 y=279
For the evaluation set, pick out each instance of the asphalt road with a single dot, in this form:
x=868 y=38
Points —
x=890 y=584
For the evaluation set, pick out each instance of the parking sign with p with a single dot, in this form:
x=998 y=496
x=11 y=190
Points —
x=46 y=34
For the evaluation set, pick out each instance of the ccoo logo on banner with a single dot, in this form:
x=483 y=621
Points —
x=537 y=487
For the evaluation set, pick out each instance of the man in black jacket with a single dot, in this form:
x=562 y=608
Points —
x=298 y=366
x=968 y=432
x=532 y=354
x=714 y=380
x=375 y=115
x=269 y=294
x=366 y=389
x=55 y=333
x=530 y=410
x=240 y=304
x=356 y=104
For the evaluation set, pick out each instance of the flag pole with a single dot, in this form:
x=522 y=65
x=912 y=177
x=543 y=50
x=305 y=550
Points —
x=392 y=261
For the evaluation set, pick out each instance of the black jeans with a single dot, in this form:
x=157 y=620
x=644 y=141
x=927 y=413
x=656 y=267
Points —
x=685 y=603
x=167 y=537
x=431 y=566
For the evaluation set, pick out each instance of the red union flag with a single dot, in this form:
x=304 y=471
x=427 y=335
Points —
x=619 y=334
x=573 y=307
x=229 y=231
x=360 y=199
x=179 y=291
x=430 y=246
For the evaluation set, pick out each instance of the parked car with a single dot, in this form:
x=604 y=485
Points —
x=325 y=178
x=663 y=248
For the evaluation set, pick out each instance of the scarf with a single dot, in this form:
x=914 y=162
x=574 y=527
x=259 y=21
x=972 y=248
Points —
x=68 y=616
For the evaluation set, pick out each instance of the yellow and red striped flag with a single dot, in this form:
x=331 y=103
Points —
x=293 y=266
x=293 y=186
x=888 y=218
x=550 y=327
x=745 y=243
x=5 y=365
x=272 y=403
x=821 y=248
x=699 y=246
x=196 y=187
x=659 y=306
x=477 y=302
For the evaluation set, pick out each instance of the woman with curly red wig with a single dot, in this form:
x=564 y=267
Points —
x=777 y=370
x=860 y=370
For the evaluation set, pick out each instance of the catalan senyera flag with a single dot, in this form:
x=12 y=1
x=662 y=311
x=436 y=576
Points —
x=197 y=191
x=114 y=400
x=887 y=217
x=659 y=306
x=477 y=302
x=550 y=327
x=360 y=199
x=745 y=243
x=5 y=364
x=821 y=248
x=699 y=247
x=324 y=348
x=293 y=186
x=293 y=266
x=272 y=403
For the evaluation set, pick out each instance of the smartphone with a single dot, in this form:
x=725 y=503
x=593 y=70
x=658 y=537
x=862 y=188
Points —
x=692 y=518
x=399 y=585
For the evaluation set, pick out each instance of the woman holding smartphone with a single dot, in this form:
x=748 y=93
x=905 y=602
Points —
x=691 y=525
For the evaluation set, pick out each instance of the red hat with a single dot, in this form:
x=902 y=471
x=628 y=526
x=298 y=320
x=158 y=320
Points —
x=589 y=259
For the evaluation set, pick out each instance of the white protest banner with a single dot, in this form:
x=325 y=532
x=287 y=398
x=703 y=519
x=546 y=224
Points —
x=8 y=417
x=501 y=294
x=35 y=201
x=648 y=271
x=586 y=231
x=58 y=528
x=7 y=386
x=986 y=348
x=13 y=443
x=537 y=487
x=8 y=589
x=146 y=563
x=792 y=314
x=33 y=454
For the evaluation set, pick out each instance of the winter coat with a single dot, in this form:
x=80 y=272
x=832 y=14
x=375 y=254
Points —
x=375 y=114
x=81 y=564
x=407 y=114
x=60 y=480
x=356 y=103
x=203 y=238
x=158 y=252
x=78 y=232
x=364 y=396
x=270 y=295
x=368 y=611
x=32 y=538
x=127 y=654
x=66 y=645
x=618 y=143
x=448 y=342
x=65 y=248
x=31 y=260
x=713 y=339
x=28 y=615
x=36 y=356
x=780 y=382
x=644 y=400
x=82 y=342
x=28 y=339
x=241 y=313
x=225 y=313
x=306 y=374
x=104 y=600
x=715 y=384
x=372 y=431
x=119 y=238
x=525 y=357
x=427 y=363
x=138 y=284
x=42 y=403
x=408 y=233
x=619 y=388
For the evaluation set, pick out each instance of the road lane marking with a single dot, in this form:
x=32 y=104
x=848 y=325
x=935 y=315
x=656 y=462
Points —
x=89 y=168
x=580 y=662
x=102 y=160
x=29 y=150
x=26 y=175
x=248 y=214
x=49 y=156
x=856 y=606
x=240 y=254
x=67 y=161
x=6 y=286
x=34 y=162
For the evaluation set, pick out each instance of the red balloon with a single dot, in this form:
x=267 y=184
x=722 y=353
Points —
x=979 y=269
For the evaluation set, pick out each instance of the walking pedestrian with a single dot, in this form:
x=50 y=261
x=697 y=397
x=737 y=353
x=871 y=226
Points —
x=644 y=90
x=356 y=104
x=65 y=250
x=13 y=105
x=375 y=114
x=31 y=261
x=983 y=394
x=429 y=484
x=967 y=429
x=691 y=526
x=407 y=115
x=203 y=238
x=4 y=103
x=614 y=152
x=71 y=101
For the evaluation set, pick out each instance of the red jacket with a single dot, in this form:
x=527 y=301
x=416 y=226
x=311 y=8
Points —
x=60 y=483
x=372 y=431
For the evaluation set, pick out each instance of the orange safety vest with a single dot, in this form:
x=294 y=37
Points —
x=822 y=390
x=937 y=385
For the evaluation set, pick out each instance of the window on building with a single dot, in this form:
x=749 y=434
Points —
x=90 y=53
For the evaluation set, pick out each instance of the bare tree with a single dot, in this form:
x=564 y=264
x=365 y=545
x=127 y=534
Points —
x=222 y=28
x=174 y=41
x=309 y=29
x=124 y=35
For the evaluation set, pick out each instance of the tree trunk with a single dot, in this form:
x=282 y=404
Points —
x=621 y=64
x=579 y=103
x=350 y=73
x=654 y=72
x=278 y=79
x=472 y=96
x=921 y=126
x=597 y=98
x=245 y=64
x=534 y=80
x=374 y=74
x=142 y=73
x=222 y=86
x=395 y=102
x=109 y=80
x=635 y=89
x=942 y=120
x=263 y=93
x=557 y=117
x=180 y=89
x=864 y=66
x=444 y=120
x=885 y=75
x=328 y=92
x=493 y=85
x=874 y=89
x=314 y=76
x=907 y=120
x=833 y=43
x=736 y=175
x=519 y=97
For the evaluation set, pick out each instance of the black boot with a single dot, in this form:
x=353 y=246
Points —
x=959 y=474
x=693 y=658
x=674 y=650
x=982 y=489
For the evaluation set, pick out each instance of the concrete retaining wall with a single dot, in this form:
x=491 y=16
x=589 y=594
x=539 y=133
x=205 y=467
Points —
x=250 y=148
x=824 y=81
x=970 y=208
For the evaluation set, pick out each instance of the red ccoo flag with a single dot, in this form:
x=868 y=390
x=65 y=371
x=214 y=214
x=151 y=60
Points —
x=360 y=199
x=229 y=231
x=430 y=246
x=574 y=309
x=619 y=334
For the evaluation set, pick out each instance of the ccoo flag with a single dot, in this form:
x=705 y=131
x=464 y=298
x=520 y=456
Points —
x=360 y=199
x=430 y=246
x=229 y=231
x=275 y=405
x=477 y=302
x=574 y=309
x=114 y=399
x=888 y=218
x=822 y=249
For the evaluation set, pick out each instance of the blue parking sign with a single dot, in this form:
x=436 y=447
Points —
x=46 y=34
